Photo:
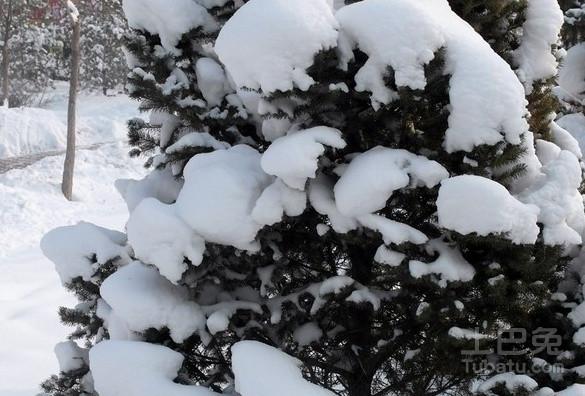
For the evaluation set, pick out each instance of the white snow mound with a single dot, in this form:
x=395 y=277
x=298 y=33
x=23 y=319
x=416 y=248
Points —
x=168 y=22
x=269 y=44
x=541 y=30
x=556 y=194
x=143 y=299
x=159 y=237
x=294 y=157
x=377 y=173
x=575 y=125
x=469 y=204
x=133 y=368
x=572 y=74
x=71 y=248
x=487 y=99
x=220 y=191
x=27 y=130
x=280 y=373
x=450 y=266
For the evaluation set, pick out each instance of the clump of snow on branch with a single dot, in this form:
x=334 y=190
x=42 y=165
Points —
x=159 y=184
x=285 y=34
x=143 y=299
x=323 y=201
x=577 y=314
x=167 y=123
x=71 y=248
x=565 y=140
x=70 y=356
x=294 y=158
x=211 y=80
x=557 y=196
x=572 y=75
x=575 y=125
x=392 y=231
x=388 y=256
x=196 y=139
x=307 y=333
x=133 y=368
x=487 y=100
x=450 y=266
x=221 y=189
x=159 y=237
x=398 y=34
x=280 y=373
x=73 y=11
x=276 y=200
x=541 y=30
x=377 y=173
x=466 y=334
x=473 y=204
x=573 y=390
x=513 y=383
x=168 y=22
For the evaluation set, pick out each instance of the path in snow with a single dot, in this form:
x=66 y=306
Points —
x=23 y=161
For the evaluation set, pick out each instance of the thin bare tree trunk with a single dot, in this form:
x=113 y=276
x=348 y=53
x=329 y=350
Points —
x=67 y=186
x=6 y=52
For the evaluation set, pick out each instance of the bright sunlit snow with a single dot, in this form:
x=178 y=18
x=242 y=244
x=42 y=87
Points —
x=31 y=289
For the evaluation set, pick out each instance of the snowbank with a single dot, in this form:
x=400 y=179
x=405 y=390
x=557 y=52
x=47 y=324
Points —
x=28 y=130
x=99 y=118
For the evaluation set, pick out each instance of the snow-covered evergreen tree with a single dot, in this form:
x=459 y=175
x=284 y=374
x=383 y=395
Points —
x=32 y=50
x=103 y=28
x=375 y=189
x=567 y=309
x=571 y=81
x=574 y=28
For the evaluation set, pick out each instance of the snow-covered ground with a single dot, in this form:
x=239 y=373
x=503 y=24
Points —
x=29 y=130
x=32 y=204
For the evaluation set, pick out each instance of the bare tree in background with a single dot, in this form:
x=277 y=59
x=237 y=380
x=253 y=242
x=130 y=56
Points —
x=7 y=14
x=67 y=185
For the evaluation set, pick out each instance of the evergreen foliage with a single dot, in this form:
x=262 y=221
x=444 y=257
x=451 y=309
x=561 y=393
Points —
x=396 y=338
x=103 y=66
x=574 y=28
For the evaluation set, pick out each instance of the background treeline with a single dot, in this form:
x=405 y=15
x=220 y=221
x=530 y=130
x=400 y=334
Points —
x=35 y=47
